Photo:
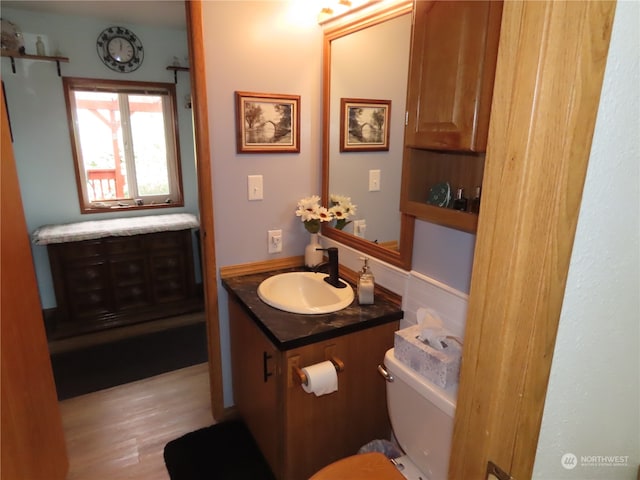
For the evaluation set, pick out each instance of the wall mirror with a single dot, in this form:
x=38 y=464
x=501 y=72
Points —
x=367 y=61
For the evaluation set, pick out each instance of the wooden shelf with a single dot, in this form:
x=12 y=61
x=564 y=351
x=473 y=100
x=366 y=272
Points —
x=424 y=168
x=465 y=221
x=44 y=58
x=177 y=69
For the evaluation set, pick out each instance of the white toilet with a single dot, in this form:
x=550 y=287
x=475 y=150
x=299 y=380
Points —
x=421 y=415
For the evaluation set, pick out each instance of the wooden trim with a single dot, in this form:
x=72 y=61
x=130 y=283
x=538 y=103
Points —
x=260 y=267
x=70 y=85
x=549 y=75
x=205 y=201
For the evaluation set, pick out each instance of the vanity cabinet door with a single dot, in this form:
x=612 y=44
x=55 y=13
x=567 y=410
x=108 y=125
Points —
x=452 y=69
x=321 y=430
x=256 y=376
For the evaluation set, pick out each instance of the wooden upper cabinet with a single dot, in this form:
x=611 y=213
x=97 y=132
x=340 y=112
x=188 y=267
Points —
x=452 y=68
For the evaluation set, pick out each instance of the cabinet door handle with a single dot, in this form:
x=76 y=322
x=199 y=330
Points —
x=265 y=371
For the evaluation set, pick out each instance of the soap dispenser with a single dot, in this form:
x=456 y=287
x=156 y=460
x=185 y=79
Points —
x=366 y=284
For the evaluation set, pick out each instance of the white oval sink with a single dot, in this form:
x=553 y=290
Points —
x=304 y=292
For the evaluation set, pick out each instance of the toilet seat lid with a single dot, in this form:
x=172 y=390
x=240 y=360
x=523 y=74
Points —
x=366 y=466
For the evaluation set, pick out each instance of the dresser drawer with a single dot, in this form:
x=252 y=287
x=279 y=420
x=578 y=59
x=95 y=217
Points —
x=87 y=249
x=166 y=240
x=123 y=245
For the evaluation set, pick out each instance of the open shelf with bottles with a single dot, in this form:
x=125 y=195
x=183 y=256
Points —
x=46 y=58
x=425 y=168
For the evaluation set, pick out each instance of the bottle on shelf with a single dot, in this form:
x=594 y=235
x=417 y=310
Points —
x=460 y=201
x=40 y=47
x=474 y=205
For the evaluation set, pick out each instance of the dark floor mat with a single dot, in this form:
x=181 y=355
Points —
x=103 y=366
x=225 y=451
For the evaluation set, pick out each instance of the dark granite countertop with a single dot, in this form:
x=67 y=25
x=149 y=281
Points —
x=291 y=330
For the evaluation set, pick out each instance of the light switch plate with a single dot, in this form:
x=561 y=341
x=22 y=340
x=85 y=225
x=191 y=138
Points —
x=254 y=187
x=374 y=180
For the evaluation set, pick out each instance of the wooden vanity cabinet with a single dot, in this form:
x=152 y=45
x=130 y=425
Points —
x=451 y=75
x=298 y=432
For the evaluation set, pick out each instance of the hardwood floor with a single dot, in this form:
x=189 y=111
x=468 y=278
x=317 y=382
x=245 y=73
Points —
x=120 y=433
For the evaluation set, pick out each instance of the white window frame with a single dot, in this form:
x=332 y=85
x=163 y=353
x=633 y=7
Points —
x=168 y=93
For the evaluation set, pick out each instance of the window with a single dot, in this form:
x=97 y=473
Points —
x=125 y=144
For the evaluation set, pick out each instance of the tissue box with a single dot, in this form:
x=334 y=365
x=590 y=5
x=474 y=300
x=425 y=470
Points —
x=441 y=367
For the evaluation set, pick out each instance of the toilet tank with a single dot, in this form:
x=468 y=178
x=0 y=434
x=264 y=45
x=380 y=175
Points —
x=421 y=415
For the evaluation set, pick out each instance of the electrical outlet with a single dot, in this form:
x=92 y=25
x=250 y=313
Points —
x=275 y=241
x=359 y=227
x=374 y=180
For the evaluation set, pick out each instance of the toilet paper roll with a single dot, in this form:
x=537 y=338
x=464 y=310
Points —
x=322 y=378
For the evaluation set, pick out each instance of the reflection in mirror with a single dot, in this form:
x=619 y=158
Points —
x=366 y=63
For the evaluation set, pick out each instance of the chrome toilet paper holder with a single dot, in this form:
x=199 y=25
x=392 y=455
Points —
x=301 y=377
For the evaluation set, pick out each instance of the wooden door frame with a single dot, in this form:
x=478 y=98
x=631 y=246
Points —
x=200 y=107
x=551 y=63
x=549 y=76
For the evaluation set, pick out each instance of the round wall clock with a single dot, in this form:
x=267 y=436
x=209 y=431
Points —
x=120 y=49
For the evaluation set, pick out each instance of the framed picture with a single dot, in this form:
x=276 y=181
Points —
x=267 y=123
x=364 y=125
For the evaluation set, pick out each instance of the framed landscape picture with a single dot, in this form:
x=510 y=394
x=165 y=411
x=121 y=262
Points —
x=364 y=125
x=267 y=123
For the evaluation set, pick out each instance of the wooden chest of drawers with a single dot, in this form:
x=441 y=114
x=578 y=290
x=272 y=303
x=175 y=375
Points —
x=116 y=281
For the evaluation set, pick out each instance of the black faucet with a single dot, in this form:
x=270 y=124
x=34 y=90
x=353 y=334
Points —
x=333 y=278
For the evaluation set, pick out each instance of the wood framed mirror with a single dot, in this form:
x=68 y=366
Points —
x=368 y=58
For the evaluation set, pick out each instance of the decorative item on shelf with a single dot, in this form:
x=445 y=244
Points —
x=11 y=37
x=440 y=194
x=312 y=215
x=474 y=204
x=175 y=62
x=460 y=202
x=40 y=47
x=341 y=209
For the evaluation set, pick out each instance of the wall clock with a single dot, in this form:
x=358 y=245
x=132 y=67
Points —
x=120 y=49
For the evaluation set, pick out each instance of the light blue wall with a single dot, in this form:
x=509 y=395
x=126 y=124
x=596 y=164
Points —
x=37 y=110
x=444 y=254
